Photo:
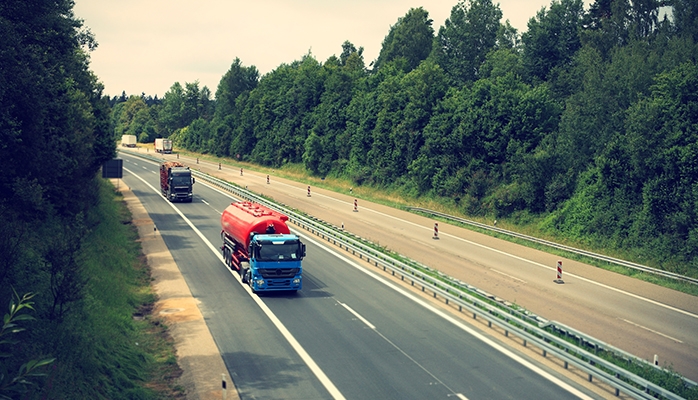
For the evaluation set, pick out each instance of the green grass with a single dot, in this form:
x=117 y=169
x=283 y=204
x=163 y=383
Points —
x=109 y=346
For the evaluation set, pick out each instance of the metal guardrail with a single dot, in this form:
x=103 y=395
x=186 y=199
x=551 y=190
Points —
x=601 y=257
x=528 y=327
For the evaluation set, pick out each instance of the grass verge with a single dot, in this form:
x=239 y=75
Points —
x=110 y=346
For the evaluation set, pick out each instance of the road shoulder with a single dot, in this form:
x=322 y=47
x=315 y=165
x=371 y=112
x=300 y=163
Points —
x=197 y=354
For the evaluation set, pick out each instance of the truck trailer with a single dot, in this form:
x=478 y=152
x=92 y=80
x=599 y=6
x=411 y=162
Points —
x=176 y=182
x=163 y=145
x=128 y=140
x=259 y=245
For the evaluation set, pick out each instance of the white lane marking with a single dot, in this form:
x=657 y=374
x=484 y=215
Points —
x=460 y=396
x=456 y=322
x=205 y=202
x=656 y=303
x=651 y=330
x=396 y=347
x=507 y=275
x=326 y=382
x=357 y=315
x=678 y=310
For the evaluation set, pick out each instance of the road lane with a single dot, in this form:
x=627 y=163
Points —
x=361 y=363
x=589 y=307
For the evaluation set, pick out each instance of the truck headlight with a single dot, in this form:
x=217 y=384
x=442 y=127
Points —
x=259 y=282
x=297 y=281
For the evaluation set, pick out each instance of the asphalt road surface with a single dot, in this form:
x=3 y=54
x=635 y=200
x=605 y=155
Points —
x=348 y=334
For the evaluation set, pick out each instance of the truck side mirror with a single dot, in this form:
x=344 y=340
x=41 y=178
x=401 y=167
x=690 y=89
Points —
x=302 y=250
x=193 y=180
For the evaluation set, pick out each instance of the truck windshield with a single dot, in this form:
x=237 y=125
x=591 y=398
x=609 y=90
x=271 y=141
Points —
x=278 y=252
x=181 y=180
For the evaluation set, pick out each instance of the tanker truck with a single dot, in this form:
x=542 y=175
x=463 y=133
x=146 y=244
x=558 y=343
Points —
x=258 y=244
x=176 y=181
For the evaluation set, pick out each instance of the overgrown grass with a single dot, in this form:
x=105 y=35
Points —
x=109 y=346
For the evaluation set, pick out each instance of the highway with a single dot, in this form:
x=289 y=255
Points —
x=348 y=334
x=636 y=316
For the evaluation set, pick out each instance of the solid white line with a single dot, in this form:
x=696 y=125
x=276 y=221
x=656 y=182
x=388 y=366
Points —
x=326 y=382
x=357 y=315
x=457 y=323
x=651 y=330
x=666 y=306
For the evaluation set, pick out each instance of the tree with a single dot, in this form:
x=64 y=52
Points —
x=410 y=38
x=552 y=38
x=236 y=81
x=466 y=37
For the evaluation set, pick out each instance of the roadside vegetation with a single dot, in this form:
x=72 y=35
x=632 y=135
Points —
x=71 y=273
x=580 y=129
x=106 y=345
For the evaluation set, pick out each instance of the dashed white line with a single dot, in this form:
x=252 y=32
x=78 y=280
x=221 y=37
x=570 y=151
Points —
x=507 y=275
x=651 y=330
x=358 y=316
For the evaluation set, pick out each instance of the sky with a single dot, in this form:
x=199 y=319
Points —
x=145 y=46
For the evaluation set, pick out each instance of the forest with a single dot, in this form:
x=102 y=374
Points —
x=585 y=122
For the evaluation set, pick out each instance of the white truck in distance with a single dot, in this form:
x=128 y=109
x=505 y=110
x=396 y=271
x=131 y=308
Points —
x=128 y=140
x=163 y=145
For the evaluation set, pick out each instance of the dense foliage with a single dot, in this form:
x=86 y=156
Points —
x=55 y=134
x=586 y=121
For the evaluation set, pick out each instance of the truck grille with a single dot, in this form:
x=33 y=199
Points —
x=275 y=273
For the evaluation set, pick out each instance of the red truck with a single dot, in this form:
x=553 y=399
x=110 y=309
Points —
x=259 y=245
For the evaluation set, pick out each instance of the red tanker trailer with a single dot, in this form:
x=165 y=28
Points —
x=258 y=244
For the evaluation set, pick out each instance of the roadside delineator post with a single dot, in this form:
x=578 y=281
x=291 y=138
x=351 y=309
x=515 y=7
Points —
x=308 y=190
x=224 y=386
x=197 y=160
x=240 y=171
x=656 y=359
x=436 y=230
x=342 y=225
x=559 y=273
x=356 y=206
x=267 y=179
x=219 y=166
x=178 y=156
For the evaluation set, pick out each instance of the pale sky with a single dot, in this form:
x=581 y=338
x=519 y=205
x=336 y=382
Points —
x=148 y=45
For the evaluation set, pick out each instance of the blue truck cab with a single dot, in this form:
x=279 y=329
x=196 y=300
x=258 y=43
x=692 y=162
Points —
x=275 y=262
